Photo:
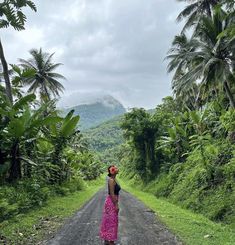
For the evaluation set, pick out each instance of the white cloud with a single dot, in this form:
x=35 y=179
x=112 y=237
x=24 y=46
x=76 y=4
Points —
x=116 y=47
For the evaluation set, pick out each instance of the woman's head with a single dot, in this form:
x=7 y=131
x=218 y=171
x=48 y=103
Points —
x=112 y=170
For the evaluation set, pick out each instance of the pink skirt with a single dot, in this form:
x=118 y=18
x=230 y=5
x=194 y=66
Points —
x=109 y=222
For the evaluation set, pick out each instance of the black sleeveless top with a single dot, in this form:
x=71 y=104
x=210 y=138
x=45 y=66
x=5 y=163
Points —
x=117 y=188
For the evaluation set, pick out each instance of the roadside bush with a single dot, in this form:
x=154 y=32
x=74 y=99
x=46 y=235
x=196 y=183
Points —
x=206 y=186
x=28 y=194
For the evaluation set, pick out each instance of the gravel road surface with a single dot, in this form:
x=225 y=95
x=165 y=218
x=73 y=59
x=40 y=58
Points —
x=138 y=225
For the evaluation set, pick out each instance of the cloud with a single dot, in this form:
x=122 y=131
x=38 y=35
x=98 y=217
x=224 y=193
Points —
x=117 y=47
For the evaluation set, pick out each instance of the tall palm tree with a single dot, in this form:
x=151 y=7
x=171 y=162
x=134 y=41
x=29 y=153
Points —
x=212 y=60
x=180 y=63
x=195 y=10
x=179 y=58
x=45 y=80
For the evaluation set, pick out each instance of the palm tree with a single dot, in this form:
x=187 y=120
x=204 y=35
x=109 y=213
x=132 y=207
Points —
x=179 y=57
x=214 y=59
x=195 y=10
x=44 y=79
x=210 y=60
x=185 y=93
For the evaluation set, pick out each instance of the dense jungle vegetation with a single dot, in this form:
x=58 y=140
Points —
x=185 y=150
x=41 y=153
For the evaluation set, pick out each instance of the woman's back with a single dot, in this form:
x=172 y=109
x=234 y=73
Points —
x=117 y=188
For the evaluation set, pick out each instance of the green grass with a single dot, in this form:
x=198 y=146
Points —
x=191 y=228
x=41 y=222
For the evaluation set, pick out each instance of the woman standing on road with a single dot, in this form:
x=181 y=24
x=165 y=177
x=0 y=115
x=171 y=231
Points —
x=109 y=222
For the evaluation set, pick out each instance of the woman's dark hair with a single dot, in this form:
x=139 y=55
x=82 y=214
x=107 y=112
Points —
x=109 y=174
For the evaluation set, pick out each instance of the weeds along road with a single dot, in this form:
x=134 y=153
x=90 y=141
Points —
x=138 y=225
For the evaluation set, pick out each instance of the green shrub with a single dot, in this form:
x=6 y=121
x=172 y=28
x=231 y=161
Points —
x=29 y=193
x=6 y=209
x=63 y=191
x=206 y=187
x=75 y=184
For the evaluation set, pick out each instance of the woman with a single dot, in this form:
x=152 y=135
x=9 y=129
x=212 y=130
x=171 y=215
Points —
x=109 y=222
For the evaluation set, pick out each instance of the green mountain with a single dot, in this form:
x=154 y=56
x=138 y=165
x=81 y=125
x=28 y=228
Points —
x=95 y=113
x=105 y=135
x=105 y=139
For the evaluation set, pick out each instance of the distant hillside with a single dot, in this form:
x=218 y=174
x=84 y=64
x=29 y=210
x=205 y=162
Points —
x=106 y=139
x=97 y=112
x=105 y=135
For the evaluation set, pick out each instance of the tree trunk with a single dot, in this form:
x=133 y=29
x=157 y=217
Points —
x=229 y=94
x=208 y=9
x=29 y=151
x=6 y=74
x=46 y=92
x=15 y=169
x=2 y=157
x=56 y=160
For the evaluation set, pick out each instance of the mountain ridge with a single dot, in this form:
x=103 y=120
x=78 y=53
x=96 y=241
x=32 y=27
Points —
x=94 y=113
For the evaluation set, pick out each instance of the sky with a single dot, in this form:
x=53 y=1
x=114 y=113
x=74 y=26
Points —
x=114 y=47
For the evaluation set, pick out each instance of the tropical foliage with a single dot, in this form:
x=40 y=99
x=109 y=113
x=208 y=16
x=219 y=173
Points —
x=41 y=152
x=185 y=150
x=141 y=131
x=193 y=156
x=207 y=57
x=11 y=13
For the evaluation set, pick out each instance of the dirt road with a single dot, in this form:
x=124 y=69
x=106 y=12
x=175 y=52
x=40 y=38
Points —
x=137 y=224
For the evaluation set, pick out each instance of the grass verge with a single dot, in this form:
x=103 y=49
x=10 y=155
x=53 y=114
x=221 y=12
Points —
x=39 y=223
x=191 y=228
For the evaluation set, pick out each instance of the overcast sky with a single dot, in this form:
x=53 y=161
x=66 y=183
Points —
x=114 y=47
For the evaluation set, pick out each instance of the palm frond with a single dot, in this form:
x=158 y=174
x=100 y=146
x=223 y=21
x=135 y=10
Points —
x=56 y=75
x=52 y=67
x=187 y=11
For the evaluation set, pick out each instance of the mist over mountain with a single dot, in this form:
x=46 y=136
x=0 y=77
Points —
x=96 y=111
